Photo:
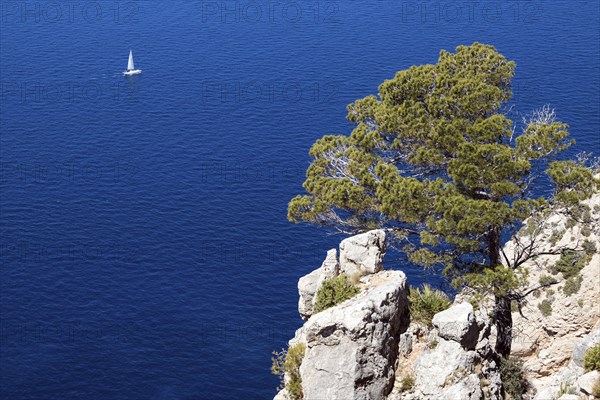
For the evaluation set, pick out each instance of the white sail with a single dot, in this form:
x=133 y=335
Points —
x=130 y=66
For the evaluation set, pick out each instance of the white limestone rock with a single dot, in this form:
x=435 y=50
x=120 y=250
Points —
x=590 y=340
x=282 y=395
x=466 y=389
x=441 y=367
x=406 y=343
x=567 y=396
x=363 y=254
x=548 y=393
x=587 y=381
x=309 y=284
x=458 y=358
x=352 y=348
x=548 y=343
x=458 y=324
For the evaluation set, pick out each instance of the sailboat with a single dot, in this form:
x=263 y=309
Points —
x=130 y=67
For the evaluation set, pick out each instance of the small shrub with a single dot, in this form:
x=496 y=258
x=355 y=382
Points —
x=572 y=285
x=277 y=363
x=334 y=291
x=292 y=367
x=546 y=280
x=407 y=383
x=513 y=378
x=549 y=294
x=565 y=388
x=432 y=344
x=289 y=362
x=585 y=231
x=555 y=237
x=536 y=293
x=587 y=216
x=546 y=308
x=425 y=303
x=589 y=247
x=591 y=359
x=580 y=303
x=570 y=263
x=570 y=223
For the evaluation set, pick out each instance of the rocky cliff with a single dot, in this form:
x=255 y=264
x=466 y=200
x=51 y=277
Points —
x=366 y=347
x=352 y=348
x=452 y=360
x=559 y=323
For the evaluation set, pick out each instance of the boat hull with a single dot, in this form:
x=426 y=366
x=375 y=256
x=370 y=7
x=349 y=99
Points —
x=133 y=72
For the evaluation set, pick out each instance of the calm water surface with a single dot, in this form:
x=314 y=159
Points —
x=145 y=248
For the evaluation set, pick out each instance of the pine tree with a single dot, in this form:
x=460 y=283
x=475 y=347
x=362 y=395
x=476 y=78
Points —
x=435 y=160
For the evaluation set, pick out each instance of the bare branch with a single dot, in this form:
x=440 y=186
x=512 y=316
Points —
x=340 y=164
x=542 y=116
x=521 y=296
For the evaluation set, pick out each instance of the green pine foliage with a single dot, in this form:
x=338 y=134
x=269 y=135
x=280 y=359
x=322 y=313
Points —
x=334 y=291
x=426 y=302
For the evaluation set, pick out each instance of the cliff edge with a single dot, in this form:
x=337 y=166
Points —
x=366 y=347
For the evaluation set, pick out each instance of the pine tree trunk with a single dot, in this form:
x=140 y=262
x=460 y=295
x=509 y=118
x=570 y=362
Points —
x=504 y=323
x=503 y=315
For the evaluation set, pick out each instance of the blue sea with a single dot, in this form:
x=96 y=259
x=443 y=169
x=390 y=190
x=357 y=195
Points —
x=144 y=243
